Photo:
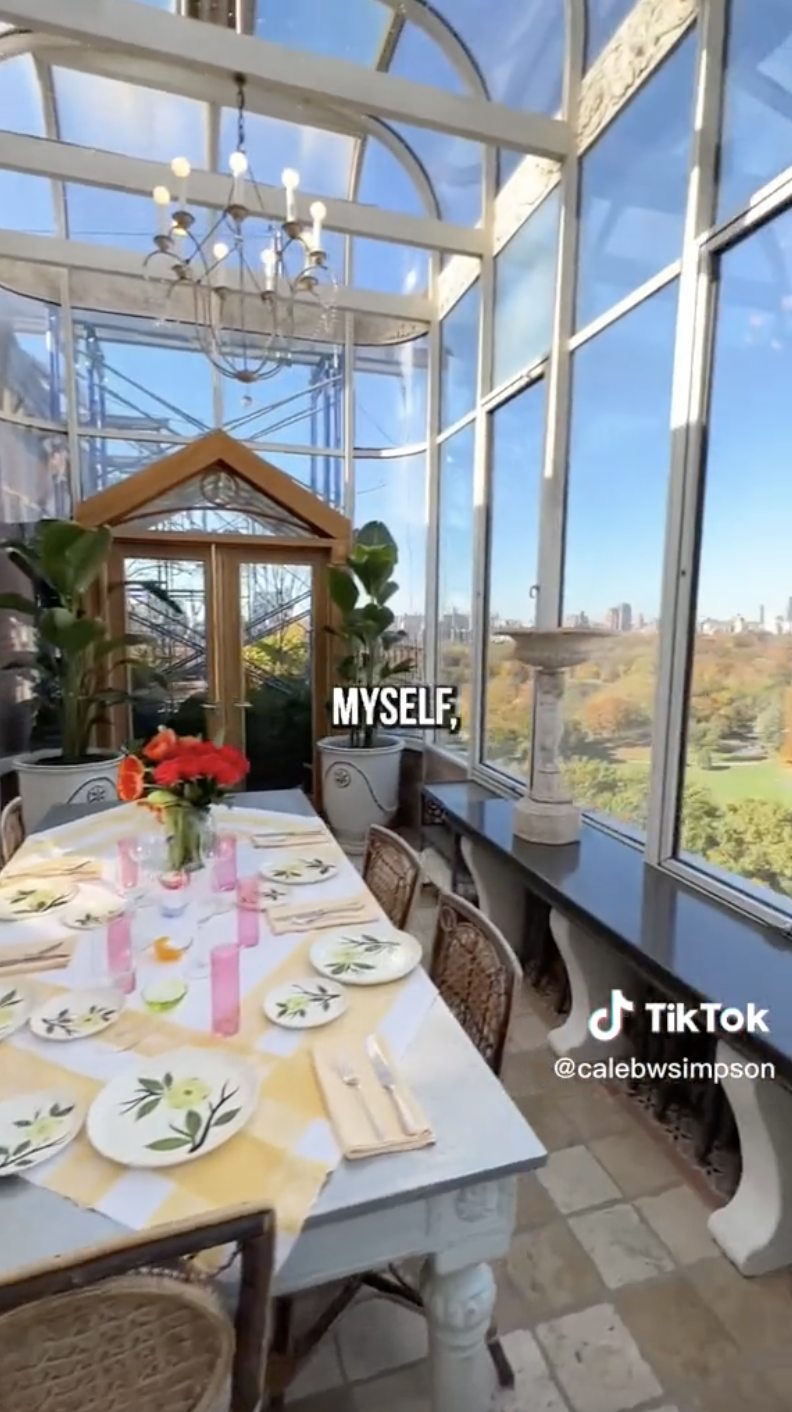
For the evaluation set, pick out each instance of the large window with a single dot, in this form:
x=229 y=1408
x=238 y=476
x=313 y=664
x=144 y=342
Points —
x=525 y=279
x=634 y=189
x=459 y=353
x=390 y=395
x=757 y=120
x=737 y=801
x=619 y=463
x=393 y=489
x=516 y=452
x=455 y=571
x=136 y=376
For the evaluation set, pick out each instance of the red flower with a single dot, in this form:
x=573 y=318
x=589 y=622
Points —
x=131 y=777
x=162 y=745
x=168 y=773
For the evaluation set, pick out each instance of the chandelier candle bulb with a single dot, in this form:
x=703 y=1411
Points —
x=269 y=260
x=318 y=213
x=181 y=170
x=291 y=180
x=162 y=198
x=239 y=164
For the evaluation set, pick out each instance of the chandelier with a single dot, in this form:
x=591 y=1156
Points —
x=248 y=306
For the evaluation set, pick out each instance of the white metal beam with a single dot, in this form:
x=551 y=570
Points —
x=108 y=260
x=116 y=25
x=92 y=167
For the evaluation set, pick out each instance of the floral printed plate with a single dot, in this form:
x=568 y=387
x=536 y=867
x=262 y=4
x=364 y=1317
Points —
x=36 y=1127
x=78 y=1014
x=305 y=1004
x=302 y=868
x=172 y=1109
x=16 y=1003
x=31 y=899
x=93 y=907
x=373 y=955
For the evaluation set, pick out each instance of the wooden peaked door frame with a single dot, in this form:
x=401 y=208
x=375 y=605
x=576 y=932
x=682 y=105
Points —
x=222 y=559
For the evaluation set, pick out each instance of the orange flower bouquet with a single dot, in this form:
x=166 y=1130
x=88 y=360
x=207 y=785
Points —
x=181 y=777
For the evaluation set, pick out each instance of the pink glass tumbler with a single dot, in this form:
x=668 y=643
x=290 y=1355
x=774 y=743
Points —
x=225 y=863
x=128 y=870
x=247 y=925
x=224 y=976
x=120 y=965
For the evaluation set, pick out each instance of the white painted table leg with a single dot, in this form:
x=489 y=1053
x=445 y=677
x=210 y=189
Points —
x=755 y=1229
x=501 y=894
x=458 y=1307
x=594 y=970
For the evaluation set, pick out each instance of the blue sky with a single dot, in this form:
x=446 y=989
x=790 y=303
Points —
x=631 y=228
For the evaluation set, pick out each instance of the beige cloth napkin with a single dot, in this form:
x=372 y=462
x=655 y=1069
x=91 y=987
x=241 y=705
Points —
x=65 y=865
x=311 y=916
x=348 y=1108
x=26 y=956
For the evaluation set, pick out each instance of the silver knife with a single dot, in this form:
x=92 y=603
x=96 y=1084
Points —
x=385 y=1078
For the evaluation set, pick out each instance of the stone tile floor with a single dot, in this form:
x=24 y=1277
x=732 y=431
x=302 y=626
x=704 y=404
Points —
x=613 y=1298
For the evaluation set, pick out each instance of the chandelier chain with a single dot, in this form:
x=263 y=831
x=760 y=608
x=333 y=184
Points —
x=240 y=87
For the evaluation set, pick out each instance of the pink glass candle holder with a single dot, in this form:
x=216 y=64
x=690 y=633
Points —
x=119 y=961
x=247 y=925
x=224 y=980
x=128 y=868
x=225 y=863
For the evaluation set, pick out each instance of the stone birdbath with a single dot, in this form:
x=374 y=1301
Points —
x=547 y=812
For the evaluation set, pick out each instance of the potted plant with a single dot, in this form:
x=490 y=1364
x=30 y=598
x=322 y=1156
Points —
x=360 y=770
x=71 y=656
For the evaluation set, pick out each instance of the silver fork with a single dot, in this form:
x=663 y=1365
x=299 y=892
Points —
x=332 y=914
x=348 y=1075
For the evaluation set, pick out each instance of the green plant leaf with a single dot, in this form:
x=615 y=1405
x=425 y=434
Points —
x=68 y=633
x=168 y=1144
x=17 y=603
x=375 y=532
x=56 y=538
x=85 y=557
x=395 y=669
x=344 y=591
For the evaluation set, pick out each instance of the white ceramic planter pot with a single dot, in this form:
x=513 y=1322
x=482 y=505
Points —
x=43 y=784
x=359 y=787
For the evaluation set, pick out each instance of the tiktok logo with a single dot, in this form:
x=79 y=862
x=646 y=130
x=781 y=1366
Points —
x=607 y=1022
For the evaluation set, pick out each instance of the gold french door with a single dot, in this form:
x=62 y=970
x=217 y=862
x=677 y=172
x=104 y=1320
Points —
x=246 y=653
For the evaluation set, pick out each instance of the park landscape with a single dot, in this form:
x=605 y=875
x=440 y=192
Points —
x=737 y=793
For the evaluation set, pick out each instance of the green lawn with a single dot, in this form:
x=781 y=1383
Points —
x=759 y=779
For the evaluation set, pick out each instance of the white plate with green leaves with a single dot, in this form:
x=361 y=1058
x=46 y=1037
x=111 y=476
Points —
x=37 y=1127
x=302 y=868
x=305 y=1004
x=33 y=899
x=366 y=955
x=93 y=907
x=171 y=1109
x=16 y=1003
x=78 y=1014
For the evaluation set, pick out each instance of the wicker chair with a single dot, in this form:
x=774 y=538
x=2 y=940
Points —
x=129 y=1327
x=12 y=829
x=476 y=973
x=391 y=871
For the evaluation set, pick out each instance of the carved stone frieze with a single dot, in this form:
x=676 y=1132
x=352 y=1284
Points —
x=635 y=51
x=639 y=46
x=454 y=278
x=459 y=1303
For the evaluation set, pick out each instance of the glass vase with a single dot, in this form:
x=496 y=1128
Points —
x=191 y=837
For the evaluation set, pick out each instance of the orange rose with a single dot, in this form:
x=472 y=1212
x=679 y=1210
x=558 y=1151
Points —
x=161 y=745
x=131 y=776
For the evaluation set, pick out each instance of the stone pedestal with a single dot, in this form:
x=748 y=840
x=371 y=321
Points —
x=547 y=813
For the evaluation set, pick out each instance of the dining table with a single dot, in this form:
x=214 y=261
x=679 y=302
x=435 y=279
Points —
x=452 y=1204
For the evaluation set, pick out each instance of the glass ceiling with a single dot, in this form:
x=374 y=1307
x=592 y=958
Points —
x=450 y=44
